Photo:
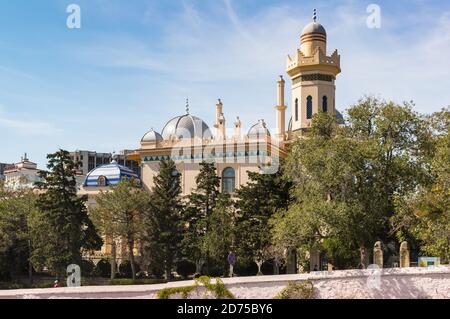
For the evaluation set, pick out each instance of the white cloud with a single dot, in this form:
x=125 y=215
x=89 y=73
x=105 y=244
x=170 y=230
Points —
x=214 y=52
x=26 y=127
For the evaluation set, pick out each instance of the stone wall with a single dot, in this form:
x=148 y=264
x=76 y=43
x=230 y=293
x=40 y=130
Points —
x=433 y=282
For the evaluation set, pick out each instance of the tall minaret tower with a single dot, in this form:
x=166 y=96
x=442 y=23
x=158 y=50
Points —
x=220 y=121
x=313 y=75
x=280 y=111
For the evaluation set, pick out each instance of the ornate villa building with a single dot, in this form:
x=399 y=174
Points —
x=188 y=140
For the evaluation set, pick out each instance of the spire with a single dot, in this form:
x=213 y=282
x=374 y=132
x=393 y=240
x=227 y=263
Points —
x=315 y=15
x=187 y=106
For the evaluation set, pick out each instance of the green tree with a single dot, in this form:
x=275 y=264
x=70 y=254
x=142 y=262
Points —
x=62 y=228
x=201 y=204
x=218 y=240
x=424 y=216
x=118 y=215
x=256 y=203
x=162 y=222
x=16 y=209
x=347 y=178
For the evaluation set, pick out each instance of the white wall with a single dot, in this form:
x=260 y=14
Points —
x=394 y=283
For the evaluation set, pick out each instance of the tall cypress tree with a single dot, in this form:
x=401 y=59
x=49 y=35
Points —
x=201 y=204
x=257 y=202
x=62 y=228
x=218 y=240
x=162 y=223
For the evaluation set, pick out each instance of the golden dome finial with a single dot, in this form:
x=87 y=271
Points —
x=315 y=15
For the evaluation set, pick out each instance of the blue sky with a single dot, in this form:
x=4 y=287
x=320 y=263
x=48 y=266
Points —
x=133 y=63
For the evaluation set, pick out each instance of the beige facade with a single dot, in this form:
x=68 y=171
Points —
x=241 y=155
x=187 y=140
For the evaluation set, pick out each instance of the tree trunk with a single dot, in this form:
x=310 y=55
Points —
x=30 y=265
x=199 y=265
x=13 y=266
x=30 y=273
x=131 y=256
x=276 y=267
x=207 y=264
x=362 y=256
x=259 y=264
x=168 y=266
x=113 y=259
x=167 y=272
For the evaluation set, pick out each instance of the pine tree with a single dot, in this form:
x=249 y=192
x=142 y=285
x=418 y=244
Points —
x=118 y=215
x=162 y=222
x=62 y=228
x=257 y=202
x=201 y=203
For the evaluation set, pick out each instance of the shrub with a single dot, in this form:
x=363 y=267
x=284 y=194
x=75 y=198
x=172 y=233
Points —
x=103 y=268
x=217 y=270
x=87 y=267
x=185 y=268
x=267 y=267
x=21 y=285
x=156 y=271
x=245 y=268
x=166 y=293
x=300 y=290
x=125 y=269
x=218 y=290
x=130 y=282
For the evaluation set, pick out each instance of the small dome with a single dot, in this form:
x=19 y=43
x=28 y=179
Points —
x=314 y=27
x=109 y=175
x=185 y=127
x=259 y=130
x=152 y=136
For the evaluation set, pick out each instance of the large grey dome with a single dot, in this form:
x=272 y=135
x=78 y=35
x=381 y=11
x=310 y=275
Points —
x=185 y=127
x=314 y=27
x=259 y=130
x=152 y=136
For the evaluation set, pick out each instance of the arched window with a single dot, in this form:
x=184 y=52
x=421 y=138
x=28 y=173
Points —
x=325 y=104
x=101 y=182
x=296 y=109
x=309 y=107
x=228 y=180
